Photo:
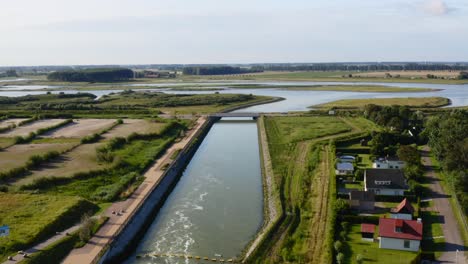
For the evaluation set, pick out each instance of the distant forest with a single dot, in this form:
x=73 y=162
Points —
x=218 y=70
x=92 y=75
x=362 y=67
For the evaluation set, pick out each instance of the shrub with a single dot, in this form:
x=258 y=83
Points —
x=338 y=246
x=90 y=139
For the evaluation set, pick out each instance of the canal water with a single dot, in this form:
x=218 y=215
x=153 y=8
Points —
x=217 y=206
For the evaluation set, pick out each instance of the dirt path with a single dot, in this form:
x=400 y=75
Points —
x=92 y=250
x=320 y=187
x=450 y=228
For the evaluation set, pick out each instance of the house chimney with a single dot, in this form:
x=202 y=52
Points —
x=419 y=220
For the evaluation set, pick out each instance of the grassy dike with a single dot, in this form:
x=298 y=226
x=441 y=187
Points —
x=273 y=210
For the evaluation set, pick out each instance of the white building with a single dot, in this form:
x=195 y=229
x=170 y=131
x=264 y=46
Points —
x=344 y=168
x=388 y=163
x=400 y=234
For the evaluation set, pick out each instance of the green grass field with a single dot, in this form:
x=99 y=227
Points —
x=294 y=129
x=6 y=142
x=412 y=102
x=371 y=251
x=33 y=217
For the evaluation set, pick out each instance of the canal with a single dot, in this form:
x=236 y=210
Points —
x=216 y=207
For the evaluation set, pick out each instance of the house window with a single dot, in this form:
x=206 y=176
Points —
x=396 y=167
x=406 y=244
x=378 y=166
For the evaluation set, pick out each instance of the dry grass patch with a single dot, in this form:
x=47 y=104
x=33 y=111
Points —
x=17 y=155
x=81 y=128
x=139 y=126
x=409 y=74
x=81 y=159
x=12 y=121
x=32 y=127
x=409 y=101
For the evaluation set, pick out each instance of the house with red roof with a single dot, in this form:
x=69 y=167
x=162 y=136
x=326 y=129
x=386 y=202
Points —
x=400 y=234
x=403 y=211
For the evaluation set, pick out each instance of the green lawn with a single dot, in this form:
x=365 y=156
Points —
x=371 y=251
x=33 y=217
x=6 y=142
x=294 y=129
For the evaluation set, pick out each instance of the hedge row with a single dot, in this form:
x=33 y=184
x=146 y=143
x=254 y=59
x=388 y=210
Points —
x=32 y=135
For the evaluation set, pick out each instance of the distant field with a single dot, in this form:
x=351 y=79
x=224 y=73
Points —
x=12 y=121
x=360 y=88
x=81 y=159
x=17 y=155
x=139 y=126
x=32 y=127
x=410 y=101
x=409 y=74
x=338 y=76
x=295 y=129
x=81 y=128
x=33 y=217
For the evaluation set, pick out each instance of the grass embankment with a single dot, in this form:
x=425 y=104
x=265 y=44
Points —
x=34 y=217
x=415 y=102
x=303 y=172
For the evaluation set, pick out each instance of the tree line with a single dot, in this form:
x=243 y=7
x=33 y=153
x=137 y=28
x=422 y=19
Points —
x=218 y=70
x=92 y=75
x=446 y=134
x=361 y=67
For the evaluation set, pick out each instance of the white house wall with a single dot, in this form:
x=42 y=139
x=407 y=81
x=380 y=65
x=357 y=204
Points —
x=398 y=244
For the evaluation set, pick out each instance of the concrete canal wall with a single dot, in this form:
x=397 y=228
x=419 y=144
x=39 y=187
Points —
x=126 y=241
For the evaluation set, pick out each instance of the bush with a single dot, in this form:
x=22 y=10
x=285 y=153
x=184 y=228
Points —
x=338 y=246
x=91 y=139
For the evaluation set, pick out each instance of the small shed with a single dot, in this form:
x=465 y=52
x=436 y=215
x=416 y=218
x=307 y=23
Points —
x=367 y=232
x=344 y=168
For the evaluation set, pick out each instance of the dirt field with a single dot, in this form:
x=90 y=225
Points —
x=12 y=121
x=409 y=74
x=80 y=128
x=15 y=156
x=32 y=127
x=130 y=126
x=80 y=159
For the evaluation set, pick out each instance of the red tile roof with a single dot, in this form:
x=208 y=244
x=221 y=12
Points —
x=404 y=207
x=367 y=228
x=410 y=229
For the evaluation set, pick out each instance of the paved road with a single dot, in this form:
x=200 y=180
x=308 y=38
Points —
x=450 y=228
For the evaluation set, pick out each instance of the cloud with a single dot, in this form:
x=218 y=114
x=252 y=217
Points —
x=436 y=7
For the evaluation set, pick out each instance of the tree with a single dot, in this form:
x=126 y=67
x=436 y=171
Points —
x=409 y=154
x=11 y=73
x=463 y=75
x=340 y=258
x=338 y=246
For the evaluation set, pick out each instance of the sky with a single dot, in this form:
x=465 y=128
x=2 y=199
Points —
x=64 y=32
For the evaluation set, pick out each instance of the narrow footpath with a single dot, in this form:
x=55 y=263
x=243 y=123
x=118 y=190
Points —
x=93 y=249
x=450 y=227
x=19 y=257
